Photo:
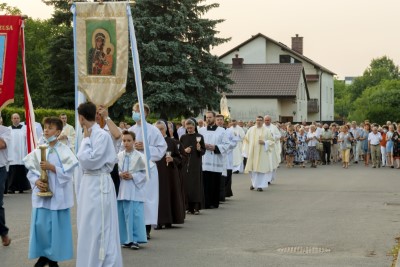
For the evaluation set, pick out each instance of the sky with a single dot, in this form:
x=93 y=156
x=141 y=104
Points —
x=341 y=35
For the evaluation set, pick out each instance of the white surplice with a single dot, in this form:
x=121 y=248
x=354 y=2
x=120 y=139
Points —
x=276 y=134
x=157 y=147
x=213 y=162
x=237 y=151
x=228 y=155
x=17 y=149
x=260 y=158
x=60 y=182
x=133 y=189
x=98 y=232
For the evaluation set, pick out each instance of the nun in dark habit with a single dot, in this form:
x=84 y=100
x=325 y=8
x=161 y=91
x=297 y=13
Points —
x=194 y=148
x=171 y=207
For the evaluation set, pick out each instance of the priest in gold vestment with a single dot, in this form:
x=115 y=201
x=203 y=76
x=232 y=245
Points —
x=258 y=149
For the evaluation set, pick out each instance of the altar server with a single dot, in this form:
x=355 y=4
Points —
x=51 y=231
x=131 y=196
x=98 y=231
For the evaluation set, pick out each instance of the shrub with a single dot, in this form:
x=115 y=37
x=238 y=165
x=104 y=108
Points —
x=40 y=114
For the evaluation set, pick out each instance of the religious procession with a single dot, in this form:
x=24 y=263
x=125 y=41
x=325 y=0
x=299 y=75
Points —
x=191 y=167
x=127 y=183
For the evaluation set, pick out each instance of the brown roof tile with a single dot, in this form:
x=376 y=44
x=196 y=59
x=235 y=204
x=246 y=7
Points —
x=267 y=80
x=283 y=46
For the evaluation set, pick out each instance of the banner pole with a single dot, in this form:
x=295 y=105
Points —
x=79 y=97
x=139 y=88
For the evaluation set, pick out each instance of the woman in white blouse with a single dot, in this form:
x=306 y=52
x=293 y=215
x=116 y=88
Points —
x=312 y=141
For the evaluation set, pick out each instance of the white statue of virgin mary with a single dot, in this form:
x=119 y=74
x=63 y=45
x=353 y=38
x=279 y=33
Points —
x=223 y=105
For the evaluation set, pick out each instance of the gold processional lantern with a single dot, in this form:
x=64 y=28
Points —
x=43 y=175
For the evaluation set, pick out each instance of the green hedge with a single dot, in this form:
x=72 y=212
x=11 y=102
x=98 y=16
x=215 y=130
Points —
x=40 y=113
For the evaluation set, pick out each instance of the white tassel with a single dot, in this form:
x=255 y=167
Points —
x=101 y=254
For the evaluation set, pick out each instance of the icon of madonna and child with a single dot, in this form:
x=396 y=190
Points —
x=101 y=54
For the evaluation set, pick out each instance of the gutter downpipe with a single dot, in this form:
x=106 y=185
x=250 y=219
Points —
x=320 y=95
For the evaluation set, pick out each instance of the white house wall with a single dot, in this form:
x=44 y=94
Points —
x=253 y=53
x=248 y=109
x=273 y=52
x=287 y=107
x=327 y=101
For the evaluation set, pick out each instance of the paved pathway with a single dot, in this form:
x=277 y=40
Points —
x=350 y=215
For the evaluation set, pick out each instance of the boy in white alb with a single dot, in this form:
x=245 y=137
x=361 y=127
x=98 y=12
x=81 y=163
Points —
x=131 y=196
x=97 y=217
x=51 y=229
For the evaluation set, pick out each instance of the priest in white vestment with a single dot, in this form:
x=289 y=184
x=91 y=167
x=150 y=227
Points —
x=67 y=136
x=237 y=151
x=157 y=147
x=258 y=149
x=97 y=224
x=17 y=150
x=277 y=149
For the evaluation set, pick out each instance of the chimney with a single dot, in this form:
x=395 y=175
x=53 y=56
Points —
x=297 y=44
x=237 y=63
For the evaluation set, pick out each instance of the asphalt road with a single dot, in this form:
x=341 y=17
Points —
x=332 y=216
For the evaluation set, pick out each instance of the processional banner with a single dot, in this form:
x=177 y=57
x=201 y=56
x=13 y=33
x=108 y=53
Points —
x=102 y=51
x=10 y=27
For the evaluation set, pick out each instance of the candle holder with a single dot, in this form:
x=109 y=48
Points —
x=43 y=175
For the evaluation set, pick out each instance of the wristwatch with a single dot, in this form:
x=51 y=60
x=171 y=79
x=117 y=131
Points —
x=108 y=118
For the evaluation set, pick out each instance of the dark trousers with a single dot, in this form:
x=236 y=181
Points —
x=17 y=180
x=115 y=177
x=211 y=182
x=228 y=184
x=148 y=229
x=222 y=188
x=326 y=152
x=244 y=163
x=3 y=178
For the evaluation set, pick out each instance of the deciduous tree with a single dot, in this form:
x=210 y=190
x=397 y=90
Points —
x=380 y=69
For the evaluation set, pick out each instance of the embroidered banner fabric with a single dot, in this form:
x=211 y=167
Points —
x=10 y=27
x=102 y=51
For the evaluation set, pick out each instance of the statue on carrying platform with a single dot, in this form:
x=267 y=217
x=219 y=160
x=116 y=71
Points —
x=223 y=105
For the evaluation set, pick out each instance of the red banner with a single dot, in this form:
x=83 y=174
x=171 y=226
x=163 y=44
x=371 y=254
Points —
x=9 y=36
x=31 y=136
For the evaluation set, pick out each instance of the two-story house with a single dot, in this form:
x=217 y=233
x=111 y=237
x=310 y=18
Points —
x=261 y=51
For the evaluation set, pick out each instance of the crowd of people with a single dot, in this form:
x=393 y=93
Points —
x=323 y=144
x=121 y=196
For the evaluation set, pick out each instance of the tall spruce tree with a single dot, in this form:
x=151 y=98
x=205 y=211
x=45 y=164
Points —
x=61 y=56
x=180 y=75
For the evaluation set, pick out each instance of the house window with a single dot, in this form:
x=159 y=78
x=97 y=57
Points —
x=288 y=59
x=284 y=59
